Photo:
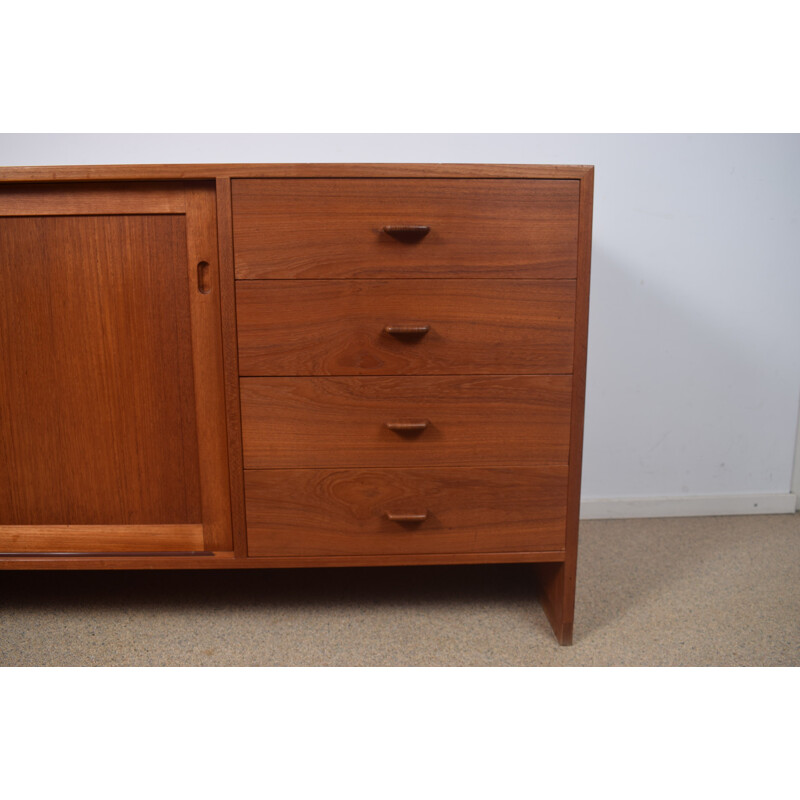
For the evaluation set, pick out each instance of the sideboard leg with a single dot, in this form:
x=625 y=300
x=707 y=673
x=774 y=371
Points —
x=556 y=585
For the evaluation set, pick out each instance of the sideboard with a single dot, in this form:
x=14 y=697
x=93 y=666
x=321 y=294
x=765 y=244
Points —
x=288 y=365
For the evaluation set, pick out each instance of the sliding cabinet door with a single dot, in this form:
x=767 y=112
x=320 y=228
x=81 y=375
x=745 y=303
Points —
x=112 y=418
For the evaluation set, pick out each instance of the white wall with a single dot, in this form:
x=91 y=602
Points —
x=694 y=351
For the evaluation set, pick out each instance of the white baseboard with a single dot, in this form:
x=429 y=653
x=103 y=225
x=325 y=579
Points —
x=692 y=506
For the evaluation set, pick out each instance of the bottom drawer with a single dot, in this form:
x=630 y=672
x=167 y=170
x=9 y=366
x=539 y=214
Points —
x=312 y=512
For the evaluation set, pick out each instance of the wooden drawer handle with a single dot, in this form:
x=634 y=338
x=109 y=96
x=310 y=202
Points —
x=407 y=517
x=407 y=233
x=408 y=426
x=407 y=331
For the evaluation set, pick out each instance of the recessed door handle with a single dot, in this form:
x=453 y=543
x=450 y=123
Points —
x=407 y=233
x=396 y=516
x=203 y=277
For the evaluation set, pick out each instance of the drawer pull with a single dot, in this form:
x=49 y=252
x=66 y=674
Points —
x=407 y=517
x=407 y=331
x=407 y=233
x=408 y=426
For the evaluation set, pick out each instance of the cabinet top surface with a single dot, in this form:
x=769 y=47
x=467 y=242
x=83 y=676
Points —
x=310 y=170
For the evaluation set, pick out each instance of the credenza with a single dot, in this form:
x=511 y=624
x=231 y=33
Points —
x=287 y=365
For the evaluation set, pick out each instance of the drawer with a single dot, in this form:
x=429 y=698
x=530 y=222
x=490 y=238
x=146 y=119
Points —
x=305 y=512
x=333 y=327
x=405 y=421
x=334 y=228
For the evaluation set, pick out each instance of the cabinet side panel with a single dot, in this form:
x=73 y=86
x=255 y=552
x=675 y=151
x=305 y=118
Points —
x=97 y=421
x=557 y=581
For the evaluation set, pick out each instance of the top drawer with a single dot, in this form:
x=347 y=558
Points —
x=334 y=228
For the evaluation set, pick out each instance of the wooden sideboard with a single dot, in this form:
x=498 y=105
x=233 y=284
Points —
x=229 y=366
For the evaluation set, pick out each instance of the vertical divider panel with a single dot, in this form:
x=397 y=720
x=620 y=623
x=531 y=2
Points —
x=230 y=357
x=204 y=294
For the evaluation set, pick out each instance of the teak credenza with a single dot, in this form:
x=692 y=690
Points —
x=216 y=366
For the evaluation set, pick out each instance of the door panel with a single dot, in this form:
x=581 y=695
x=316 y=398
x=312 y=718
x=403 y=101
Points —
x=101 y=443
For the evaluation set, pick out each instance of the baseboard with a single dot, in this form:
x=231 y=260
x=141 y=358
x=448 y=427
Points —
x=692 y=506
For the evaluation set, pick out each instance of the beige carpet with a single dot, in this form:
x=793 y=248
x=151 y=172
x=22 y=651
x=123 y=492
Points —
x=717 y=591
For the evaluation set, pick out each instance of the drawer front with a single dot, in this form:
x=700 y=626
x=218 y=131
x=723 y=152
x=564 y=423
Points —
x=334 y=228
x=405 y=421
x=304 y=512
x=340 y=327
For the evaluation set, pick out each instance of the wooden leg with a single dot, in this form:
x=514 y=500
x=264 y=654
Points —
x=556 y=583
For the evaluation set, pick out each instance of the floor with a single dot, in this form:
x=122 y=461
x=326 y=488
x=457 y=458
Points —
x=705 y=591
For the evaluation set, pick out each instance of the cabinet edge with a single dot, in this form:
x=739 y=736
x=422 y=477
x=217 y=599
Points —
x=227 y=561
x=143 y=172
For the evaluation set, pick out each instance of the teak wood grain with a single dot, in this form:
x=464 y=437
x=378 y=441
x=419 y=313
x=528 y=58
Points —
x=334 y=228
x=206 y=560
x=17 y=200
x=230 y=359
x=209 y=397
x=185 y=172
x=338 y=422
x=121 y=443
x=338 y=327
x=112 y=410
x=339 y=512
x=97 y=419
x=112 y=538
x=557 y=581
